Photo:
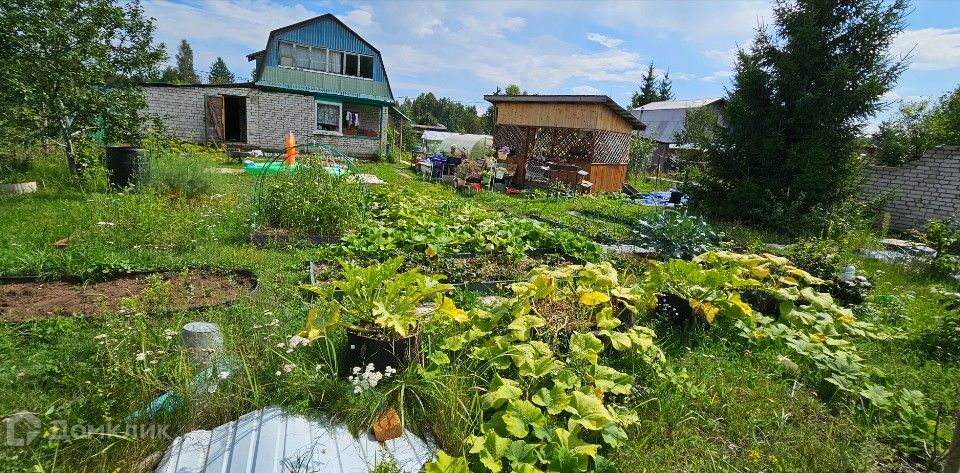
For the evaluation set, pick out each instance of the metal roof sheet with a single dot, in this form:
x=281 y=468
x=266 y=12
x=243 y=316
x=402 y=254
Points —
x=270 y=440
x=665 y=119
x=601 y=99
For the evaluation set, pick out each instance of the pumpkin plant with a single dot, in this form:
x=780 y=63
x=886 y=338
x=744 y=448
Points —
x=544 y=410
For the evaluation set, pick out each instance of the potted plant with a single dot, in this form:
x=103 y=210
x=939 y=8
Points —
x=14 y=169
x=381 y=308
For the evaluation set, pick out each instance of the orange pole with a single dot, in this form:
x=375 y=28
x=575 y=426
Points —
x=291 y=144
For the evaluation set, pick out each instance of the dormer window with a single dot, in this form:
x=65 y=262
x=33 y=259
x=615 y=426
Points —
x=312 y=58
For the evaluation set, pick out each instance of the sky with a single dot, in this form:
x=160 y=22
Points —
x=465 y=49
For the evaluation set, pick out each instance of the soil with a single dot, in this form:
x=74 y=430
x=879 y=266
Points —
x=23 y=299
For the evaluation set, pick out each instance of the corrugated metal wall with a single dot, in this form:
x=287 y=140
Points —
x=329 y=34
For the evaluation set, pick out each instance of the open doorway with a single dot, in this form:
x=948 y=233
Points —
x=235 y=118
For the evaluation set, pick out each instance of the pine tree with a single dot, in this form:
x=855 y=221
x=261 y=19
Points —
x=665 y=88
x=187 y=74
x=170 y=75
x=219 y=73
x=648 y=89
x=787 y=155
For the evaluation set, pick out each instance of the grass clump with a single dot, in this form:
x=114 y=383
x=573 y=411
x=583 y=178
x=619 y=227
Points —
x=311 y=201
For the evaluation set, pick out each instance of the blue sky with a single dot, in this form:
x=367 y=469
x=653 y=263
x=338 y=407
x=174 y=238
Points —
x=463 y=50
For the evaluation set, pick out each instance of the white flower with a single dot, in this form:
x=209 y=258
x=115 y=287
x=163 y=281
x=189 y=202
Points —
x=356 y=370
x=297 y=341
x=141 y=356
x=102 y=336
x=169 y=333
x=223 y=374
x=280 y=345
x=278 y=373
x=288 y=367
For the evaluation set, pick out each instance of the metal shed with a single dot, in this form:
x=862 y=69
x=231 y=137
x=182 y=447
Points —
x=665 y=119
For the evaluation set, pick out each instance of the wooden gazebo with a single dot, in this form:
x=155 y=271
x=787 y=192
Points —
x=567 y=138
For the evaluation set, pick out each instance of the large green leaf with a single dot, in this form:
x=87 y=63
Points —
x=446 y=464
x=490 y=448
x=611 y=380
x=522 y=325
x=555 y=400
x=588 y=411
x=520 y=452
x=585 y=346
x=501 y=391
x=520 y=416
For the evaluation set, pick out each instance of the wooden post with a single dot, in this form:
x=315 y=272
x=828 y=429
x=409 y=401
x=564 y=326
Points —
x=952 y=462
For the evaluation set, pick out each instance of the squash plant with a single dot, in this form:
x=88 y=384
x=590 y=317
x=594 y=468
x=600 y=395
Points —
x=380 y=300
x=544 y=410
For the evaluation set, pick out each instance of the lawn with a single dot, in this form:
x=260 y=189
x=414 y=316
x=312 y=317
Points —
x=715 y=401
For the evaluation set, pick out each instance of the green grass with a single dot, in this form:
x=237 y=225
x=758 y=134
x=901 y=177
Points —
x=744 y=414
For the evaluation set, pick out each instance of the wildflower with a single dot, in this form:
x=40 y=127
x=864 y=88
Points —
x=288 y=367
x=169 y=333
x=280 y=345
x=223 y=374
x=297 y=341
x=277 y=373
x=102 y=336
x=141 y=356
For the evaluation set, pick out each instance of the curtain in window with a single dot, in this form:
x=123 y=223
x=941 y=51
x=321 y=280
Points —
x=328 y=117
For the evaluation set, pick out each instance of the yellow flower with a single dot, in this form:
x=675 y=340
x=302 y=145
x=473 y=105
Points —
x=593 y=298
x=430 y=252
x=756 y=335
x=847 y=319
x=818 y=337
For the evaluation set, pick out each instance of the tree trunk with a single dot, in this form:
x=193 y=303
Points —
x=952 y=462
x=71 y=152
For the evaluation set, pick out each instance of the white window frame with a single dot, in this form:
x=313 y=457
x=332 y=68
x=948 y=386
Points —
x=343 y=60
x=339 y=131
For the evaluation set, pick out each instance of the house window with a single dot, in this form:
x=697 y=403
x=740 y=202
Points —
x=351 y=65
x=328 y=117
x=336 y=62
x=366 y=67
x=324 y=60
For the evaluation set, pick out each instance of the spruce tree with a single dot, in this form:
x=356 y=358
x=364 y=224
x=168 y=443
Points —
x=187 y=74
x=665 y=88
x=219 y=73
x=648 y=89
x=786 y=157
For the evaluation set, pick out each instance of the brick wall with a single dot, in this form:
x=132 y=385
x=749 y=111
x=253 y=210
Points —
x=926 y=189
x=270 y=115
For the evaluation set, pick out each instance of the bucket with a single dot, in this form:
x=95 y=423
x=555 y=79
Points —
x=127 y=166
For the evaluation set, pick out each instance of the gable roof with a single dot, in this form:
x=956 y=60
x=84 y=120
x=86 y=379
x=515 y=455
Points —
x=316 y=19
x=667 y=118
x=567 y=99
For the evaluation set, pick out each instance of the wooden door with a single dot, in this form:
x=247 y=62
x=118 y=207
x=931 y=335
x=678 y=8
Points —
x=215 y=119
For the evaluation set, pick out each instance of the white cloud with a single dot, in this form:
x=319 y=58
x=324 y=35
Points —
x=359 y=17
x=931 y=49
x=604 y=40
x=586 y=90
x=717 y=75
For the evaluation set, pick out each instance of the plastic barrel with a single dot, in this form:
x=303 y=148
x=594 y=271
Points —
x=127 y=166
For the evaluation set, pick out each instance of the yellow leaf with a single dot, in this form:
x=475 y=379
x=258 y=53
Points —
x=743 y=306
x=593 y=298
x=789 y=281
x=448 y=308
x=760 y=271
x=707 y=310
x=846 y=319
x=430 y=252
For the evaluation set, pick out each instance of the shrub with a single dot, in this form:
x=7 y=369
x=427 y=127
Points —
x=942 y=342
x=311 y=201
x=944 y=237
x=673 y=234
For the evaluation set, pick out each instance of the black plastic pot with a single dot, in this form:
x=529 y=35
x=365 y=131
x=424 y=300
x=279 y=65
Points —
x=675 y=309
x=363 y=349
x=127 y=166
x=676 y=197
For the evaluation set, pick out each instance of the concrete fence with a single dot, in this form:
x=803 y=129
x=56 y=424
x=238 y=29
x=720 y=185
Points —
x=926 y=189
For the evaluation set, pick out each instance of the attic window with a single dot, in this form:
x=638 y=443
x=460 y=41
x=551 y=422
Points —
x=318 y=59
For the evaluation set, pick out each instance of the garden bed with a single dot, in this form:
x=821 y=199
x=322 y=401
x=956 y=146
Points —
x=28 y=298
x=265 y=236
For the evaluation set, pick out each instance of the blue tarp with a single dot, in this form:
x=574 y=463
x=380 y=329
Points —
x=661 y=198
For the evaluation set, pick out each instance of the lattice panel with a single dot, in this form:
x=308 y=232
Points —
x=564 y=143
x=513 y=136
x=611 y=147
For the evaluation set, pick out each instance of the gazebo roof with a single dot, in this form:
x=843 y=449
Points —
x=569 y=99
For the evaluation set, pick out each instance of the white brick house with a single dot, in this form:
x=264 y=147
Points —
x=316 y=78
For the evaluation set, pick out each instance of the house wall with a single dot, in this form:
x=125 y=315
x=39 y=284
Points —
x=926 y=189
x=270 y=115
